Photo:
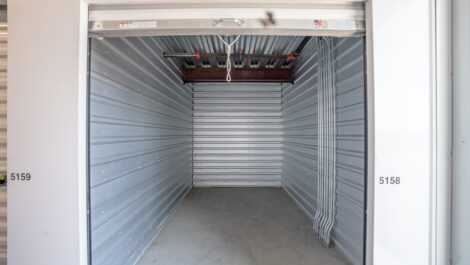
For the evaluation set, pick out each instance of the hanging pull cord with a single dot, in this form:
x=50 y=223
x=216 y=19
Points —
x=228 y=64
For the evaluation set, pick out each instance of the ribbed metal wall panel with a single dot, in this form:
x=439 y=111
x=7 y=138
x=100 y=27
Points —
x=3 y=132
x=237 y=134
x=299 y=113
x=140 y=146
x=299 y=110
x=348 y=232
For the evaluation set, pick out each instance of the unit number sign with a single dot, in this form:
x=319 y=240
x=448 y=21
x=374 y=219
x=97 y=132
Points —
x=23 y=176
x=389 y=180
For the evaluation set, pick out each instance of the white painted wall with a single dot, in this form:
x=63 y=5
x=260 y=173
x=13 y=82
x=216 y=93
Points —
x=46 y=218
x=402 y=43
x=461 y=142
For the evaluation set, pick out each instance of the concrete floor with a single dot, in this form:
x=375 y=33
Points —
x=239 y=226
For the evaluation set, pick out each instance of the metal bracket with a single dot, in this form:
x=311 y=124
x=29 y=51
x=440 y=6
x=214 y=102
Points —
x=239 y=22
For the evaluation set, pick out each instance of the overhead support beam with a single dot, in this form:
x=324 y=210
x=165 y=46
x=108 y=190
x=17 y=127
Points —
x=339 y=20
x=267 y=75
x=234 y=55
x=241 y=54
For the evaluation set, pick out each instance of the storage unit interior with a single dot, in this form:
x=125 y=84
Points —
x=245 y=152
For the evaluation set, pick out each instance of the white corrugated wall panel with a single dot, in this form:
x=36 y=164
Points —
x=3 y=133
x=237 y=137
x=299 y=109
x=140 y=146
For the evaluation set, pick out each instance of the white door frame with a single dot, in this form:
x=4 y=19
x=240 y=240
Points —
x=153 y=20
x=411 y=129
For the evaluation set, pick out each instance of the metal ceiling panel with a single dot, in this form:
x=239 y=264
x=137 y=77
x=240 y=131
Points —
x=248 y=44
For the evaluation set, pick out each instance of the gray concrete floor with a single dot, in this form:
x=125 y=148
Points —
x=239 y=226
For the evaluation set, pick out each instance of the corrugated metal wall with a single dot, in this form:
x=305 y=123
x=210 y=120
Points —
x=299 y=113
x=348 y=232
x=237 y=134
x=140 y=146
x=3 y=132
x=299 y=109
x=147 y=138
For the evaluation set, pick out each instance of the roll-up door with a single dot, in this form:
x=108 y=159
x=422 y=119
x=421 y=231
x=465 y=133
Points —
x=336 y=18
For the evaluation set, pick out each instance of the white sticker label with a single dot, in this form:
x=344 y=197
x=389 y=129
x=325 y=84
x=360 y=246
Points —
x=138 y=24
